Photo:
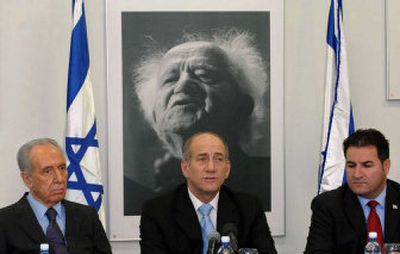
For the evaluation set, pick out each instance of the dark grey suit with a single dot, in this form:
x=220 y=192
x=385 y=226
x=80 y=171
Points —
x=20 y=232
x=338 y=222
x=169 y=223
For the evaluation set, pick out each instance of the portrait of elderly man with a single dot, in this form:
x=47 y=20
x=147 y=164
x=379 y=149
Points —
x=215 y=81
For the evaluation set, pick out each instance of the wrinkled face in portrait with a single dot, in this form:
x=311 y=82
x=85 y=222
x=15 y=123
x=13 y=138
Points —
x=207 y=168
x=366 y=174
x=197 y=91
x=47 y=178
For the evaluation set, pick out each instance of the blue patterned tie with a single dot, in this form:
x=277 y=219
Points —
x=54 y=234
x=206 y=224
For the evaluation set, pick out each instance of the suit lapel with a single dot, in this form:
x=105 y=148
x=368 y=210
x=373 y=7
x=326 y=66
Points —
x=28 y=222
x=186 y=217
x=227 y=210
x=355 y=214
x=72 y=224
x=392 y=211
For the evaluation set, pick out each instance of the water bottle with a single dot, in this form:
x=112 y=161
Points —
x=372 y=246
x=44 y=248
x=225 y=246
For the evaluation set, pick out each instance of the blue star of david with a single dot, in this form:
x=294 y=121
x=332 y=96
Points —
x=75 y=167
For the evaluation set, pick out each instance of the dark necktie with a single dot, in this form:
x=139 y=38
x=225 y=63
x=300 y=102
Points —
x=374 y=223
x=54 y=234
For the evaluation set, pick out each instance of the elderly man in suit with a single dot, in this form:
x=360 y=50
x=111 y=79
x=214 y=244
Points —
x=176 y=223
x=368 y=202
x=43 y=215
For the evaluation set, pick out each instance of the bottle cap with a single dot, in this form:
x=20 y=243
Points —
x=44 y=246
x=225 y=239
x=372 y=235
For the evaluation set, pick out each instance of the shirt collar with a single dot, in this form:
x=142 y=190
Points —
x=197 y=203
x=40 y=209
x=380 y=199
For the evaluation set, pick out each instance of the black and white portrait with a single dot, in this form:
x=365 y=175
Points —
x=185 y=72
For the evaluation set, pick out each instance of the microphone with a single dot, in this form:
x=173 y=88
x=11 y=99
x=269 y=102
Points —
x=231 y=230
x=213 y=242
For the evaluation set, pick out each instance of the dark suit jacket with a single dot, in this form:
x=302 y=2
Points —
x=338 y=223
x=20 y=232
x=169 y=223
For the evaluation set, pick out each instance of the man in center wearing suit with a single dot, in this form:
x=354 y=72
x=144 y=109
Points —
x=172 y=222
x=42 y=215
x=342 y=218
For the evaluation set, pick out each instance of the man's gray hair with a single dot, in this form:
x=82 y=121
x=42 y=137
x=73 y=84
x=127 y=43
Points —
x=23 y=154
x=245 y=65
x=186 y=146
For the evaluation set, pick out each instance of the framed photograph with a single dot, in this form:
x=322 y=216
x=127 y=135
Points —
x=146 y=136
x=392 y=8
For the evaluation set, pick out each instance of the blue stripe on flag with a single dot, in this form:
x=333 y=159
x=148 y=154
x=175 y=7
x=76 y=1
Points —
x=352 y=126
x=330 y=36
x=79 y=59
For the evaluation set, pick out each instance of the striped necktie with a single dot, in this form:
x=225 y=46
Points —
x=54 y=234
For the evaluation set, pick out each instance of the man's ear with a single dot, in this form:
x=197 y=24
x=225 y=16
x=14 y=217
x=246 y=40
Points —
x=228 y=167
x=27 y=178
x=386 y=166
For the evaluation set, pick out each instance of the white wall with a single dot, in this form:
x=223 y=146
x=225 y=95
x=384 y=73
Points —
x=33 y=58
x=34 y=52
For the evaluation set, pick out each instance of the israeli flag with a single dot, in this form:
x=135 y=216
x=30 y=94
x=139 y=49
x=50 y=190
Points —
x=81 y=144
x=338 y=117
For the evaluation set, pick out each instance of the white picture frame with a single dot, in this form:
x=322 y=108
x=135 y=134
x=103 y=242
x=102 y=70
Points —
x=126 y=228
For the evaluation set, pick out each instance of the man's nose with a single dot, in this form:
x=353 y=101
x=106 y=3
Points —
x=58 y=175
x=187 y=84
x=358 y=172
x=211 y=166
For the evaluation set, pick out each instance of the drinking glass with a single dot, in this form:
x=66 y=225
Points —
x=392 y=248
x=247 y=251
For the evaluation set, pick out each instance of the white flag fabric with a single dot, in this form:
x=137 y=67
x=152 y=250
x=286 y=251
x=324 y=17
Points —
x=338 y=117
x=81 y=144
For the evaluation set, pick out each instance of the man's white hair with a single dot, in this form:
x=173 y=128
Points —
x=245 y=65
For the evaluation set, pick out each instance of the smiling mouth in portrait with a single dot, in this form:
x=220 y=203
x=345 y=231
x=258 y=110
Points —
x=185 y=101
x=183 y=113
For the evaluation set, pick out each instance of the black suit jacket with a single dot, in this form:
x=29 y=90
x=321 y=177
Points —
x=169 y=223
x=20 y=232
x=338 y=223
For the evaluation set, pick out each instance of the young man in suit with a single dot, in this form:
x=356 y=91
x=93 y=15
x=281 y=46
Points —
x=343 y=217
x=43 y=215
x=172 y=223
